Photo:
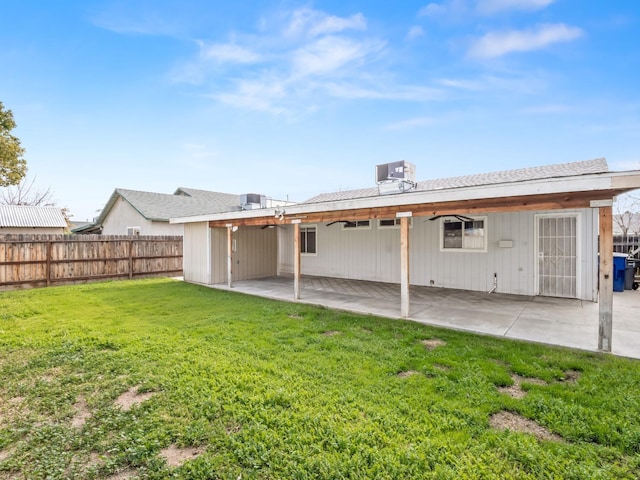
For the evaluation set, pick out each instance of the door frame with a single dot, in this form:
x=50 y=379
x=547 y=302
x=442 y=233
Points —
x=579 y=253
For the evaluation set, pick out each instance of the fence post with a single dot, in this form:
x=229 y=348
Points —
x=130 y=259
x=48 y=267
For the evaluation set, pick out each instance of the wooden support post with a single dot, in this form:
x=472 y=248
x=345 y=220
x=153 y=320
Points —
x=48 y=267
x=404 y=266
x=296 y=261
x=130 y=259
x=229 y=256
x=605 y=328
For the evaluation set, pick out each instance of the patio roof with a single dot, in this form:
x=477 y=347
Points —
x=564 y=186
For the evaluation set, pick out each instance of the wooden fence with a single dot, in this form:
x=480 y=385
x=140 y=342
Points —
x=43 y=260
x=626 y=243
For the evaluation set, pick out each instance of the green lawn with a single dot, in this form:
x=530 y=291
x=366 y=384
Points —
x=271 y=390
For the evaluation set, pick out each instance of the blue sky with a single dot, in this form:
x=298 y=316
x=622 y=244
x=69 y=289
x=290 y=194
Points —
x=291 y=99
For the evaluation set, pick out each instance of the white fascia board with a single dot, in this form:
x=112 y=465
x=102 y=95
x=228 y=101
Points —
x=262 y=212
x=580 y=183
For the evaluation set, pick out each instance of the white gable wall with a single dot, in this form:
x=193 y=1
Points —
x=122 y=216
x=196 y=263
x=374 y=254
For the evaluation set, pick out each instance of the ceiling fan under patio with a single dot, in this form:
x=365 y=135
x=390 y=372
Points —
x=346 y=222
x=461 y=218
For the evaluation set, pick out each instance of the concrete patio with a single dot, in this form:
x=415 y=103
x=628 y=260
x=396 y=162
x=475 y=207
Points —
x=557 y=321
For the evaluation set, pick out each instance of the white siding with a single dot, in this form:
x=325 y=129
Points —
x=195 y=253
x=122 y=215
x=374 y=254
x=256 y=254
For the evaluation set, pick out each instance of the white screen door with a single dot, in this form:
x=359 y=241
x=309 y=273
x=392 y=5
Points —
x=557 y=257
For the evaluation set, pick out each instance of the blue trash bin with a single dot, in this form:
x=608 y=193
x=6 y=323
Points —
x=619 y=266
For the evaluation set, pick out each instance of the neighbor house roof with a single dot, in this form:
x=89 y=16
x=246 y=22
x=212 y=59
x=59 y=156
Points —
x=560 y=186
x=163 y=206
x=31 y=216
x=508 y=176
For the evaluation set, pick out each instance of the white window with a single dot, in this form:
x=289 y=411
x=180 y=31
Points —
x=135 y=231
x=357 y=224
x=308 y=240
x=459 y=235
x=392 y=222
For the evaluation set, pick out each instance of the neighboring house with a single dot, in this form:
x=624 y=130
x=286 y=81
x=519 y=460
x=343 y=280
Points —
x=31 y=219
x=133 y=212
x=531 y=231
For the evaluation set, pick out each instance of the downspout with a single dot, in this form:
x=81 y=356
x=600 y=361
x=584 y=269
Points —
x=495 y=283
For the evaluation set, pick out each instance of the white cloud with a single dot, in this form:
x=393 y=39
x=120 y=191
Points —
x=329 y=54
x=462 y=84
x=228 y=53
x=411 y=123
x=494 y=6
x=408 y=93
x=260 y=95
x=483 y=7
x=446 y=8
x=313 y=23
x=494 y=44
x=548 y=109
x=299 y=65
x=432 y=9
x=415 y=32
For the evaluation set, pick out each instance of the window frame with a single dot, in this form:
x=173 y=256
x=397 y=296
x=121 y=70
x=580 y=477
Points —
x=396 y=224
x=345 y=226
x=304 y=229
x=485 y=228
x=133 y=231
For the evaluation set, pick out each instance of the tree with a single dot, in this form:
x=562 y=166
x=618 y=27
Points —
x=13 y=166
x=627 y=211
x=26 y=193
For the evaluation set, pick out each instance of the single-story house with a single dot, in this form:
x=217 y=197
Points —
x=133 y=212
x=531 y=231
x=28 y=219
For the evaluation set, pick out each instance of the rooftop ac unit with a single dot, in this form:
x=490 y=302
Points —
x=252 y=201
x=395 y=177
x=396 y=171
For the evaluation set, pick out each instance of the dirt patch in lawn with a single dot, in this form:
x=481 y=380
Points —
x=124 y=475
x=232 y=428
x=295 y=316
x=510 y=421
x=571 y=376
x=16 y=408
x=442 y=368
x=82 y=413
x=132 y=397
x=407 y=373
x=332 y=333
x=515 y=390
x=51 y=374
x=431 y=343
x=175 y=456
x=6 y=453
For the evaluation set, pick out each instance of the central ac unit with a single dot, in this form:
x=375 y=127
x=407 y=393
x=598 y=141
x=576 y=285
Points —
x=400 y=170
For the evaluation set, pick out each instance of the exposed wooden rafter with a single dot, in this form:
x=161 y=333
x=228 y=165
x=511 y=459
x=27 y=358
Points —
x=554 y=201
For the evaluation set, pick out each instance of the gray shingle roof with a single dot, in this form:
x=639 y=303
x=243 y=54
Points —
x=183 y=203
x=598 y=165
x=31 y=216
